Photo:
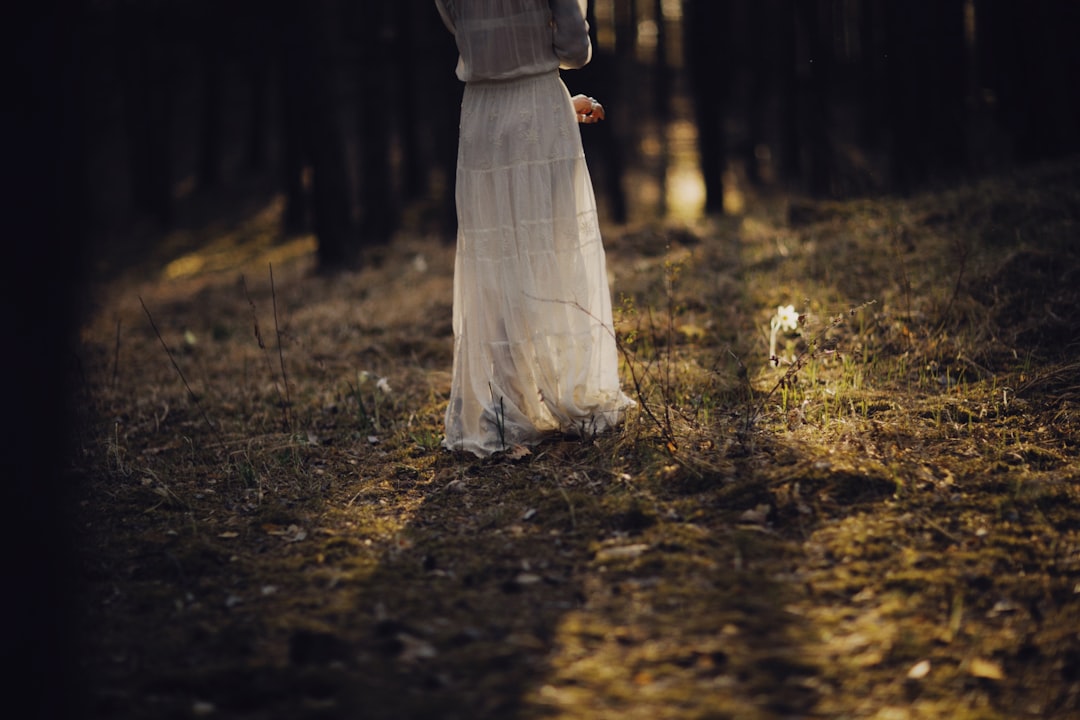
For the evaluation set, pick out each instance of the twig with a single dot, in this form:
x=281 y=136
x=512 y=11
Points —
x=964 y=250
x=570 y=506
x=116 y=356
x=744 y=375
x=665 y=381
x=665 y=429
x=262 y=346
x=1069 y=372
x=670 y=272
x=904 y=278
x=194 y=397
x=281 y=353
x=937 y=526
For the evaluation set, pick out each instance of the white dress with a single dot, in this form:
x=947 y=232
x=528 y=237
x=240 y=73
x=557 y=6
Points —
x=534 y=346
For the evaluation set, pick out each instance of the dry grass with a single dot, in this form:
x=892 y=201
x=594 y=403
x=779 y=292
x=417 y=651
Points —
x=885 y=531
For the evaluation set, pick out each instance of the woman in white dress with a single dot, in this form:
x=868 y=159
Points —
x=534 y=346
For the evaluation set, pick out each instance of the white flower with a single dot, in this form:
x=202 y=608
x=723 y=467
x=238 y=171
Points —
x=785 y=320
x=786 y=317
x=383 y=386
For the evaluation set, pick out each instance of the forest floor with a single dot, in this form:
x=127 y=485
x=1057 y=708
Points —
x=884 y=524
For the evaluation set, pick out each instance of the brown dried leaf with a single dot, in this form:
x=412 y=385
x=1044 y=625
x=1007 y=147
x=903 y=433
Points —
x=987 y=669
x=518 y=452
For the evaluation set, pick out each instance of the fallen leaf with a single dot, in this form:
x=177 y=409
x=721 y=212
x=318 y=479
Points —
x=622 y=552
x=987 y=669
x=758 y=515
x=229 y=534
x=413 y=648
x=919 y=670
x=517 y=452
x=867 y=593
x=1002 y=607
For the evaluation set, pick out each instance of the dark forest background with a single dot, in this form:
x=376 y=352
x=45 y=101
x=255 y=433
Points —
x=348 y=108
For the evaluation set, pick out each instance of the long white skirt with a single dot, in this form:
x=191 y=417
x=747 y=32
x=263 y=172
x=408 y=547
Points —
x=534 y=346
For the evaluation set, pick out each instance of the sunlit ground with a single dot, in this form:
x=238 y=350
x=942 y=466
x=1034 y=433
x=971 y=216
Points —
x=255 y=241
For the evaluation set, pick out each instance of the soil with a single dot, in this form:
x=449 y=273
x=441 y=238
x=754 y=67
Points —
x=881 y=522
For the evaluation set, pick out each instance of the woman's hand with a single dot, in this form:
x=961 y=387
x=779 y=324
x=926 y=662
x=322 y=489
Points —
x=587 y=109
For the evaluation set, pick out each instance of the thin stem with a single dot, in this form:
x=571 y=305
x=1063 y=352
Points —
x=262 y=346
x=281 y=352
x=194 y=397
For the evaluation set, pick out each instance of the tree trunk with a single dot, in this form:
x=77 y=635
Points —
x=662 y=70
x=814 y=70
x=925 y=49
x=707 y=23
x=313 y=128
x=872 y=79
x=210 y=147
x=376 y=115
x=291 y=93
x=258 y=77
x=258 y=54
x=147 y=76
